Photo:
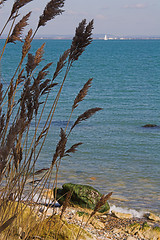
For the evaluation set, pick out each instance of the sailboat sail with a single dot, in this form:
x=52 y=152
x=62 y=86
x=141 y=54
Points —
x=105 y=37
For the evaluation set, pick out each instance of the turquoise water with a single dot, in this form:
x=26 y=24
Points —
x=117 y=154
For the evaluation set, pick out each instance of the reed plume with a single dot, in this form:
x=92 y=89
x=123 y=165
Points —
x=85 y=116
x=66 y=203
x=61 y=63
x=2 y=122
x=1 y=2
x=47 y=66
x=48 y=88
x=33 y=61
x=17 y=5
x=73 y=149
x=1 y=93
x=40 y=88
x=17 y=31
x=30 y=64
x=5 y=149
x=17 y=156
x=60 y=149
x=81 y=40
x=21 y=77
x=2 y=116
x=39 y=55
x=83 y=92
x=100 y=203
x=52 y=9
x=27 y=44
x=41 y=135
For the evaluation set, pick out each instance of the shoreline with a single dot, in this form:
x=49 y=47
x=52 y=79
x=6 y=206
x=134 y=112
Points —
x=121 y=202
x=109 y=226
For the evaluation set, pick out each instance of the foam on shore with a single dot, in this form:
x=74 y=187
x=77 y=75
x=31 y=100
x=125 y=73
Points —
x=133 y=212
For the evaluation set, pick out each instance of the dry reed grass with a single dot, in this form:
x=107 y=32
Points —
x=18 y=154
x=18 y=29
x=1 y=2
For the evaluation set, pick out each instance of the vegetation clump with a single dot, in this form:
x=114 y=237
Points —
x=23 y=102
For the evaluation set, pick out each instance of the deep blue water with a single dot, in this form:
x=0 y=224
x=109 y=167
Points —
x=117 y=154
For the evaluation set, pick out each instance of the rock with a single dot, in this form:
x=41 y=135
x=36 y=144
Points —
x=131 y=238
x=121 y=215
x=153 y=234
x=48 y=211
x=144 y=232
x=82 y=195
x=133 y=228
x=97 y=224
x=150 y=126
x=152 y=217
x=103 y=216
x=117 y=230
x=48 y=193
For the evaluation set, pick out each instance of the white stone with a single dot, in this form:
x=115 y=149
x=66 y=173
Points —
x=131 y=238
x=152 y=217
x=121 y=215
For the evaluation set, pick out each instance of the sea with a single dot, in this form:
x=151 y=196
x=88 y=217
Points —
x=118 y=154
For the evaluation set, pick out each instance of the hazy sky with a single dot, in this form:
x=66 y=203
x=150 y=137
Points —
x=117 y=17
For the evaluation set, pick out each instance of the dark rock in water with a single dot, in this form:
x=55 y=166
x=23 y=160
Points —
x=83 y=195
x=150 y=125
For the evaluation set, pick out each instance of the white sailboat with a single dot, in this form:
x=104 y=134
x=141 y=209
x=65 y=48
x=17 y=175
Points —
x=105 y=37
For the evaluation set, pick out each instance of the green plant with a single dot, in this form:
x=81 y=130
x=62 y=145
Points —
x=22 y=103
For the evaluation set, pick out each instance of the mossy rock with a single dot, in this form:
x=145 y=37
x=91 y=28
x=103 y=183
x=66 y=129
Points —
x=82 y=195
x=134 y=228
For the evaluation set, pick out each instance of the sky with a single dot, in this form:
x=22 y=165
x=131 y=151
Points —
x=116 y=17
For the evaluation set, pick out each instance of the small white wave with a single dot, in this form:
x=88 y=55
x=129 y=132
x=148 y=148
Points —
x=42 y=200
x=133 y=212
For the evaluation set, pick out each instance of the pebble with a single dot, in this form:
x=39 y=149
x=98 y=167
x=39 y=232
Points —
x=131 y=238
x=104 y=227
x=112 y=226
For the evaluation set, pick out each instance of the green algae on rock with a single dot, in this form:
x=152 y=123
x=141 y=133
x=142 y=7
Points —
x=145 y=231
x=84 y=196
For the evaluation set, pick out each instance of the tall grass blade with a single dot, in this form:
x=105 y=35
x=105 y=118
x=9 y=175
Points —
x=7 y=223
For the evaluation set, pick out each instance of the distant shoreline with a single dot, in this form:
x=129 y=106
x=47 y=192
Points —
x=70 y=38
x=95 y=37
